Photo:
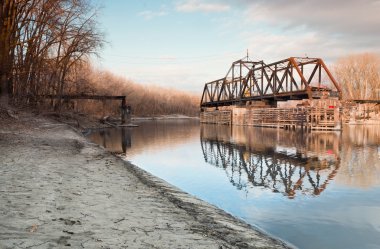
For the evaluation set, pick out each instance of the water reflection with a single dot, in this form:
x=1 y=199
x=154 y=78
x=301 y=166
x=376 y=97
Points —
x=114 y=140
x=271 y=175
x=150 y=135
x=291 y=163
x=360 y=157
x=285 y=162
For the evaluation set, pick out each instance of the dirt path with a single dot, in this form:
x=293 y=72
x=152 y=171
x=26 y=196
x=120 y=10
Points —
x=58 y=190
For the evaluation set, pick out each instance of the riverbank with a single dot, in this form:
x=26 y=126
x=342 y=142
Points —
x=84 y=122
x=58 y=189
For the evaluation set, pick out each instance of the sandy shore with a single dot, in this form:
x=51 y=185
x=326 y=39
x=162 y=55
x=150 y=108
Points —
x=58 y=190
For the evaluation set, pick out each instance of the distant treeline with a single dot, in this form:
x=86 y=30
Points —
x=359 y=75
x=144 y=100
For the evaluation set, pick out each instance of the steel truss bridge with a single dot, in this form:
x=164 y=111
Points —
x=279 y=172
x=293 y=78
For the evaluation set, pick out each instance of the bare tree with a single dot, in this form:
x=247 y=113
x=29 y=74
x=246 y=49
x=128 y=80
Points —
x=41 y=42
x=359 y=75
x=8 y=11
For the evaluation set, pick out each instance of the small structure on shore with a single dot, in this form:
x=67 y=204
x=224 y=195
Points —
x=125 y=110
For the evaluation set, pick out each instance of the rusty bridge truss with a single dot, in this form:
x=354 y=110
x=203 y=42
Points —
x=292 y=78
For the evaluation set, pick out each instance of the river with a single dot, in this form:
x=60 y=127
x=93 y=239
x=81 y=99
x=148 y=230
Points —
x=312 y=190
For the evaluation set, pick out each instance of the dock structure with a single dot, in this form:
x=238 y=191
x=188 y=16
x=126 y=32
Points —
x=252 y=92
x=321 y=115
x=125 y=110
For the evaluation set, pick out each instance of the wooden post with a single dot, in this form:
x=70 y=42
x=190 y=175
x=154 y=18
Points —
x=123 y=110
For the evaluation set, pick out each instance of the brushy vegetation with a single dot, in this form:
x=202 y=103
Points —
x=359 y=76
x=144 y=100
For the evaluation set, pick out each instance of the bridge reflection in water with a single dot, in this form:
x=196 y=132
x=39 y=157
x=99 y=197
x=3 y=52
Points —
x=283 y=161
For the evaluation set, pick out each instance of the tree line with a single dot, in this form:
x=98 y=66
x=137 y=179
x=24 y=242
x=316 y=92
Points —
x=42 y=43
x=359 y=75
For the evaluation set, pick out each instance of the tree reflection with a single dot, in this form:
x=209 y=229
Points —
x=286 y=162
x=113 y=138
x=148 y=136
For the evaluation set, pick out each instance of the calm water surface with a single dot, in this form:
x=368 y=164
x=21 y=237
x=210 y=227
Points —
x=312 y=190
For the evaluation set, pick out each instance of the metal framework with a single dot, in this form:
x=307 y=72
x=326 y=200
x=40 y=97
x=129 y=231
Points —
x=292 y=78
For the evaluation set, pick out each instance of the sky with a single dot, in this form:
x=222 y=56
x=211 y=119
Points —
x=182 y=44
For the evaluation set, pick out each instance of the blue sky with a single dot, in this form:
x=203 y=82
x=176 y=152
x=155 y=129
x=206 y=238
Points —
x=184 y=43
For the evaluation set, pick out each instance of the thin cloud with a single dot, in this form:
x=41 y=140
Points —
x=328 y=29
x=339 y=16
x=272 y=47
x=148 y=14
x=197 y=6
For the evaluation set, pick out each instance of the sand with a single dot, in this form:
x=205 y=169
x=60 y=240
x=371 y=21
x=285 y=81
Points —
x=58 y=190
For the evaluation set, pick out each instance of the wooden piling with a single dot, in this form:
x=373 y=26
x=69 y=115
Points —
x=321 y=115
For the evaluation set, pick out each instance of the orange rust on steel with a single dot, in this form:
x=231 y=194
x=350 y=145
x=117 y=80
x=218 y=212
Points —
x=308 y=89
x=331 y=78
